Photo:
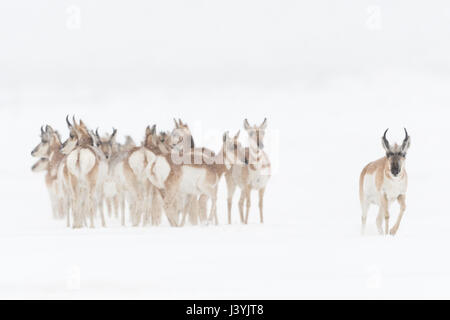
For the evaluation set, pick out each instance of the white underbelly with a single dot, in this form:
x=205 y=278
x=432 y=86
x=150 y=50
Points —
x=258 y=179
x=391 y=188
x=191 y=179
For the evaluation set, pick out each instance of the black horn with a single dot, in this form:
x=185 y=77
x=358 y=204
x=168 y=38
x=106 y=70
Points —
x=385 y=141
x=406 y=140
x=68 y=122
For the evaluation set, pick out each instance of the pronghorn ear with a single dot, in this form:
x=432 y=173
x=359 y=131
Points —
x=148 y=131
x=113 y=135
x=176 y=123
x=237 y=134
x=246 y=125
x=225 y=136
x=48 y=129
x=82 y=125
x=263 y=125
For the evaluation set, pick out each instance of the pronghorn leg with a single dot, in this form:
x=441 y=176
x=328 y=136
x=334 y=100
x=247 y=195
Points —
x=380 y=218
x=156 y=208
x=186 y=209
x=67 y=218
x=122 y=210
x=384 y=205
x=247 y=204
x=401 y=201
x=102 y=215
x=231 y=187
x=202 y=208
x=212 y=211
x=91 y=211
x=241 y=205
x=261 y=202
x=365 y=209
x=108 y=206
x=116 y=205
x=193 y=212
x=216 y=219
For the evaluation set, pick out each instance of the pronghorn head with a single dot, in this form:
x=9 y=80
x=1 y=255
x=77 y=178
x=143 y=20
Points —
x=40 y=165
x=232 y=149
x=151 y=137
x=129 y=143
x=163 y=142
x=396 y=154
x=181 y=137
x=256 y=133
x=49 y=139
x=79 y=135
x=107 y=144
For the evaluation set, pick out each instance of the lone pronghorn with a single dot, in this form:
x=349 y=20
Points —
x=383 y=182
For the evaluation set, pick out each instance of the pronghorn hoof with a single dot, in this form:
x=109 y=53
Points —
x=392 y=232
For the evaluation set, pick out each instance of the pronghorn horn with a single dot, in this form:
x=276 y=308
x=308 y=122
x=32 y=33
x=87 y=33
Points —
x=154 y=129
x=225 y=136
x=176 y=124
x=74 y=121
x=180 y=122
x=96 y=133
x=114 y=133
x=246 y=124
x=264 y=124
x=386 y=142
x=48 y=129
x=68 y=122
x=237 y=134
x=42 y=130
x=406 y=140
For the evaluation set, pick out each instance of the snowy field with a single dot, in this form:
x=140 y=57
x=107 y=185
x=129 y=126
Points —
x=326 y=111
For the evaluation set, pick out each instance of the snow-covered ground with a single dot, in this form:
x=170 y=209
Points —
x=328 y=97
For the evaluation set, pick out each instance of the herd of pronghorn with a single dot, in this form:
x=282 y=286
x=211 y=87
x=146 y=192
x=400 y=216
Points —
x=166 y=174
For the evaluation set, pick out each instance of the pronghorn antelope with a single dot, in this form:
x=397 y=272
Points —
x=232 y=154
x=383 y=182
x=51 y=160
x=253 y=174
x=194 y=178
x=40 y=165
x=165 y=172
x=139 y=172
x=87 y=170
x=110 y=193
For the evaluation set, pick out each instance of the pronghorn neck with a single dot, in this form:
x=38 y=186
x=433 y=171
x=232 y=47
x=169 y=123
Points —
x=255 y=156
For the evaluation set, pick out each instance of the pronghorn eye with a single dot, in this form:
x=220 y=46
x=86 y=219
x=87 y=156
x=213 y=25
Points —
x=390 y=154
